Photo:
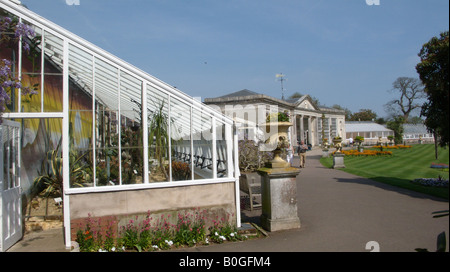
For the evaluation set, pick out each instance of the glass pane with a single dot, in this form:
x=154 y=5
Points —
x=80 y=74
x=107 y=147
x=106 y=86
x=131 y=129
x=202 y=141
x=32 y=70
x=53 y=74
x=81 y=157
x=180 y=137
x=158 y=136
x=41 y=151
x=221 y=146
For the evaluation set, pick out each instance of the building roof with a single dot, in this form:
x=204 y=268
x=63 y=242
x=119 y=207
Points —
x=247 y=95
x=364 y=126
x=243 y=92
x=414 y=129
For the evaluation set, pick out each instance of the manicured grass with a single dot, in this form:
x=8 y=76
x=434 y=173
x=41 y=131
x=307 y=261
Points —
x=401 y=168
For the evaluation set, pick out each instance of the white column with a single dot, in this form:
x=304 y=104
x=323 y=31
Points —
x=65 y=147
x=302 y=129
x=237 y=173
x=144 y=125
x=309 y=131
x=214 y=148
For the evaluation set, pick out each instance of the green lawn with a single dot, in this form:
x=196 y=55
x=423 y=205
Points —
x=401 y=168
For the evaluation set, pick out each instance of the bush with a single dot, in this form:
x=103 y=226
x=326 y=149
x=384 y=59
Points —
x=250 y=157
x=181 y=170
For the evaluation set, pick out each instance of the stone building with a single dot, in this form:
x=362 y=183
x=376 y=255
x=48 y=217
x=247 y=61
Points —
x=250 y=109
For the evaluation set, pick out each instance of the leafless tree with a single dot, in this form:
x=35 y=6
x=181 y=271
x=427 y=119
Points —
x=411 y=92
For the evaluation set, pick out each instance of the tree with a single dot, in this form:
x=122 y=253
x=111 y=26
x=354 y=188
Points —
x=411 y=91
x=348 y=113
x=397 y=126
x=363 y=115
x=433 y=71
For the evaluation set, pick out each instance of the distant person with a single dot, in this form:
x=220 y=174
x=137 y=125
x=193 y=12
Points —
x=290 y=154
x=301 y=150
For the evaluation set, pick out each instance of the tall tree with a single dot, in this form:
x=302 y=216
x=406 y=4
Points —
x=363 y=115
x=348 y=112
x=433 y=71
x=411 y=91
x=396 y=124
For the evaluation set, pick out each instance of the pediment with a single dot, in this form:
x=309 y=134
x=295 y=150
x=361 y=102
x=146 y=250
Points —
x=306 y=103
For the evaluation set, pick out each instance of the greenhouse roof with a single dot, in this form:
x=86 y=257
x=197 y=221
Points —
x=362 y=126
x=108 y=67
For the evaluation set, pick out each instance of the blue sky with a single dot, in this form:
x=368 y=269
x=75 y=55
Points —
x=343 y=52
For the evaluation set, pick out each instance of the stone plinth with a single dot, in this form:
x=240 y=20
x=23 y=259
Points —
x=338 y=160
x=279 y=198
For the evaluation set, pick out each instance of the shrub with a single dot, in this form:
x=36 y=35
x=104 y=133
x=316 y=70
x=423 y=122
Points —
x=250 y=157
x=181 y=170
x=278 y=116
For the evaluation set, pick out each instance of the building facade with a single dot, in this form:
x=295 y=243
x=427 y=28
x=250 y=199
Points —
x=311 y=123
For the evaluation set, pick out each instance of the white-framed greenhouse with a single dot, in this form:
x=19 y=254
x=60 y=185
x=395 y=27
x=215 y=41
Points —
x=129 y=142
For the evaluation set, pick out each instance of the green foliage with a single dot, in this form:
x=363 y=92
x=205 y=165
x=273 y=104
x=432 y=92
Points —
x=434 y=73
x=250 y=157
x=397 y=126
x=278 y=117
x=363 y=115
x=159 y=136
x=50 y=179
x=222 y=231
x=359 y=139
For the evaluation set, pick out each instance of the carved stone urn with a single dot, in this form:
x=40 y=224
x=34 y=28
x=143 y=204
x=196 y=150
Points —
x=278 y=139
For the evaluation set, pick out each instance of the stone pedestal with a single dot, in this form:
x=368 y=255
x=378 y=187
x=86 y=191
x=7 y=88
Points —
x=338 y=160
x=279 y=198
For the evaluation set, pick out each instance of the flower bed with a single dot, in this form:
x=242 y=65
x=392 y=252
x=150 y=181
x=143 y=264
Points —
x=365 y=153
x=392 y=146
x=432 y=182
x=439 y=165
x=190 y=230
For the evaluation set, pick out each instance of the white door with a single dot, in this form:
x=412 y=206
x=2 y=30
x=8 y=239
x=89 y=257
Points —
x=10 y=190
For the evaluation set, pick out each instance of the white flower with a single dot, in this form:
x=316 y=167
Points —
x=222 y=237
x=216 y=234
x=232 y=234
x=113 y=249
x=207 y=241
x=170 y=243
x=155 y=246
